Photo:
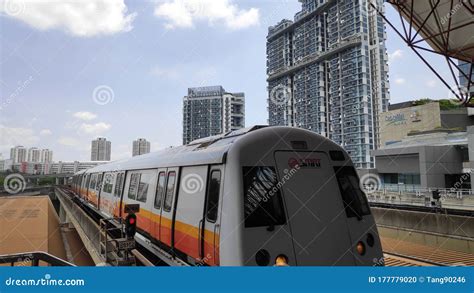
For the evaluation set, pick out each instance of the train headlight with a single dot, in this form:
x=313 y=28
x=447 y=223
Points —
x=281 y=261
x=360 y=248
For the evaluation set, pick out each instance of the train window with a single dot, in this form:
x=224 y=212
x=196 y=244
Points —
x=93 y=180
x=118 y=185
x=99 y=182
x=88 y=177
x=169 y=191
x=212 y=203
x=355 y=202
x=160 y=189
x=145 y=181
x=132 y=190
x=107 y=183
x=263 y=204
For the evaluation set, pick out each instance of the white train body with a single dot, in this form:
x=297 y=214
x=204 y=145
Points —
x=257 y=196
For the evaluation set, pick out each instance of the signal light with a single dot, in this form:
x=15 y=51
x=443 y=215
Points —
x=360 y=248
x=130 y=225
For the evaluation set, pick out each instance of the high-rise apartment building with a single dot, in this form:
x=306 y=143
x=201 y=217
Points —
x=101 y=149
x=46 y=156
x=140 y=146
x=327 y=72
x=18 y=154
x=34 y=155
x=211 y=111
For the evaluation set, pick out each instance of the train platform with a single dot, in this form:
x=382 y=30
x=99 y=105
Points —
x=30 y=224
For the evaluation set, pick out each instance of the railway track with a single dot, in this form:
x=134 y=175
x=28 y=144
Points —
x=403 y=253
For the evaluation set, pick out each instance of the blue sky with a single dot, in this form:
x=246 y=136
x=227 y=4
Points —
x=139 y=58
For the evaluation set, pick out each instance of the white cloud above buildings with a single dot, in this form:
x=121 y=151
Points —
x=95 y=17
x=185 y=13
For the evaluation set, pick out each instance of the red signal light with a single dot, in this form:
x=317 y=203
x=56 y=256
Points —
x=131 y=221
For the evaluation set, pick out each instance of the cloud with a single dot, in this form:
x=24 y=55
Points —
x=85 y=19
x=399 y=80
x=397 y=54
x=45 y=132
x=12 y=136
x=184 y=13
x=94 y=129
x=68 y=141
x=87 y=116
x=168 y=73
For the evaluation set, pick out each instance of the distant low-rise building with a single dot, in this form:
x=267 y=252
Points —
x=61 y=167
x=413 y=117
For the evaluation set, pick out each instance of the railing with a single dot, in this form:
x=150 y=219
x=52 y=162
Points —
x=458 y=199
x=32 y=259
x=87 y=227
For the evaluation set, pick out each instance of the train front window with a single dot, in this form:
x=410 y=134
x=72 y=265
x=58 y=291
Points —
x=355 y=202
x=263 y=204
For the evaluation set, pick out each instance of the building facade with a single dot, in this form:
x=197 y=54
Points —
x=140 y=147
x=463 y=74
x=410 y=118
x=209 y=111
x=101 y=149
x=46 y=156
x=327 y=72
x=47 y=168
x=18 y=154
x=34 y=155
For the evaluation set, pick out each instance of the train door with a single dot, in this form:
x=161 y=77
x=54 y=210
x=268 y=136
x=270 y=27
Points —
x=315 y=210
x=106 y=195
x=85 y=186
x=158 y=203
x=118 y=190
x=91 y=189
x=166 y=217
x=189 y=225
x=211 y=227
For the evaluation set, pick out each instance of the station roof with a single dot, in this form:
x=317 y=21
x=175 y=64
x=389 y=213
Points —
x=446 y=25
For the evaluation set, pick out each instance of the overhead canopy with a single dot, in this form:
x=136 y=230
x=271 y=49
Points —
x=446 y=25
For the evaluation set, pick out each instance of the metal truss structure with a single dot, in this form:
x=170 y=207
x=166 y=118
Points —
x=447 y=26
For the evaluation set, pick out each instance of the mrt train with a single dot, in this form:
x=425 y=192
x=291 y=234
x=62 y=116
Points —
x=256 y=196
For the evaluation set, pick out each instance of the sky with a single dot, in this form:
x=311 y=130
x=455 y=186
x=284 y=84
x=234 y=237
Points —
x=71 y=71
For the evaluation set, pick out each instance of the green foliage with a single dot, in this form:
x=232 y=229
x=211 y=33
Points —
x=444 y=104
x=47 y=181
